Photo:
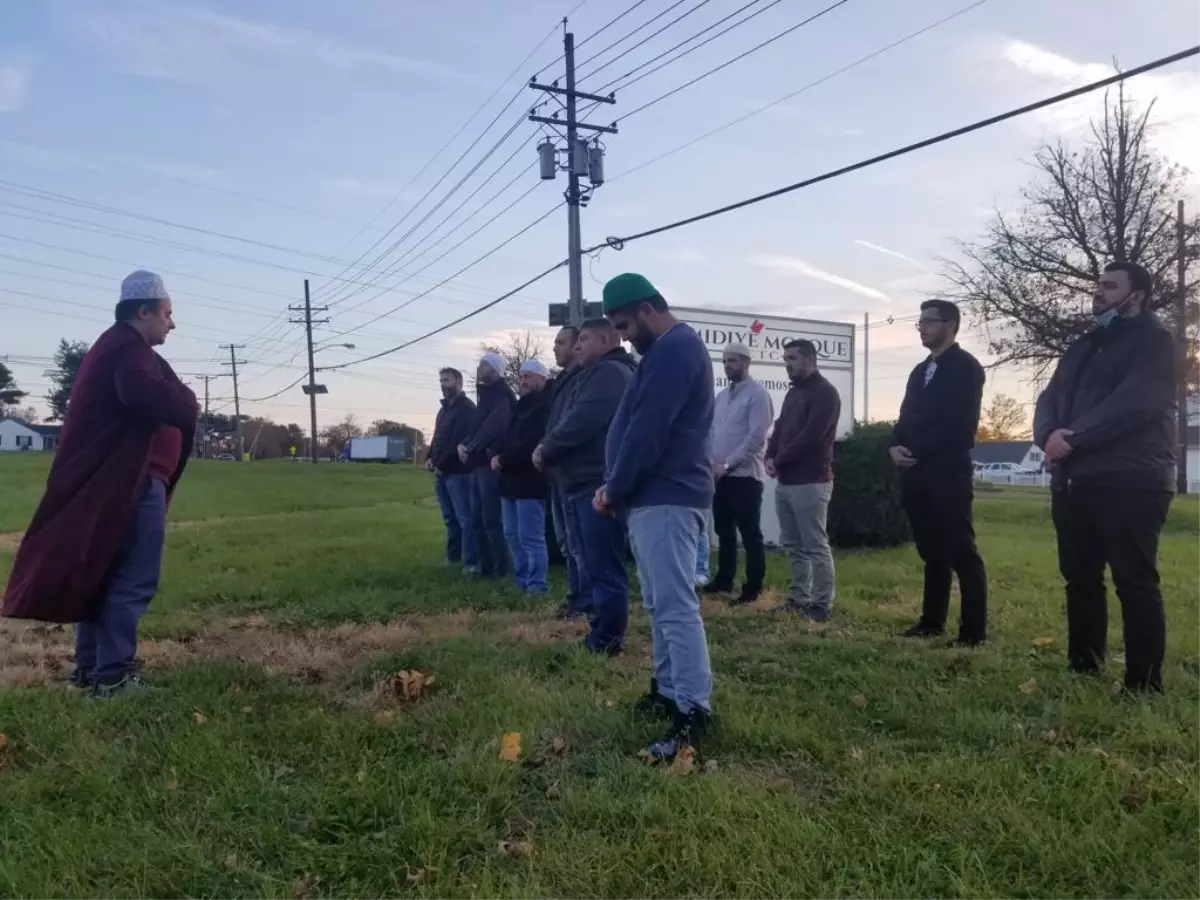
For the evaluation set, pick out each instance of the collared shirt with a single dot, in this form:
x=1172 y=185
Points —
x=741 y=419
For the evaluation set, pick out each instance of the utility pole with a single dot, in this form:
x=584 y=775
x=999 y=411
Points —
x=237 y=400
x=207 y=425
x=866 y=368
x=1181 y=378
x=312 y=388
x=582 y=160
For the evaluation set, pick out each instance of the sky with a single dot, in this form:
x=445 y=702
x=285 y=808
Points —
x=240 y=148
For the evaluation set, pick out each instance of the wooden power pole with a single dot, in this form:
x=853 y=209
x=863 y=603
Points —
x=1181 y=380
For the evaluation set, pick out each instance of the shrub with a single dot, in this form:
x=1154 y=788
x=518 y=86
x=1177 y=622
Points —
x=865 y=508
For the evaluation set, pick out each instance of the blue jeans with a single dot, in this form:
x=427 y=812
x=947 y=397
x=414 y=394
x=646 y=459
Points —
x=488 y=523
x=602 y=542
x=703 y=553
x=566 y=546
x=454 y=497
x=106 y=645
x=525 y=530
x=664 y=545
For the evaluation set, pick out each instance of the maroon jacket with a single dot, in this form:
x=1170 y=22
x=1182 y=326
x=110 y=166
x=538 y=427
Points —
x=124 y=391
x=802 y=443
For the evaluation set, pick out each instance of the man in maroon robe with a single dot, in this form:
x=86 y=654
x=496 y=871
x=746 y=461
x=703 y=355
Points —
x=93 y=552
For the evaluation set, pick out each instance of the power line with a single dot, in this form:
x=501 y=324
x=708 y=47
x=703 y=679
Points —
x=449 y=325
x=644 y=40
x=620 y=82
x=607 y=25
x=618 y=243
x=469 y=265
x=812 y=84
x=433 y=159
x=739 y=57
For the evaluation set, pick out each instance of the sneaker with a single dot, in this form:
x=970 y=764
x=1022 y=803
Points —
x=810 y=612
x=922 y=631
x=81 y=679
x=654 y=705
x=685 y=730
x=130 y=684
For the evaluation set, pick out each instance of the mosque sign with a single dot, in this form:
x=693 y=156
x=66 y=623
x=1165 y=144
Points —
x=765 y=337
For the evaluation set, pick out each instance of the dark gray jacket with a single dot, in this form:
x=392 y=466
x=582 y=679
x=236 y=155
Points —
x=496 y=403
x=573 y=451
x=1115 y=389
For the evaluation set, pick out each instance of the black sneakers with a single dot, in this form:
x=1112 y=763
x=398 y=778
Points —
x=654 y=705
x=685 y=730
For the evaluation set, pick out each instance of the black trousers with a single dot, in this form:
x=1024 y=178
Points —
x=737 y=508
x=1117 y=527
x=939 y=511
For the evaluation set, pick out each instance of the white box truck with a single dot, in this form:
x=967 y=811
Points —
x=378 y=449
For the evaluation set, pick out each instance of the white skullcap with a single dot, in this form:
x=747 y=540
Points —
x=143 y=285
x=535 y=367
x=738 y=350
x=495 y=361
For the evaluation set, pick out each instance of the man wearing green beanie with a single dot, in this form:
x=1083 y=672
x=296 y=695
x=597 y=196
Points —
x=657 y=470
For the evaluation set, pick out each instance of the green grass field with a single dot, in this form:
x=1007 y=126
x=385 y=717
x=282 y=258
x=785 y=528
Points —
x=274 y=759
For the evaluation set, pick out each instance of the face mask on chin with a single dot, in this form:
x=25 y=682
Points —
x=1105 y=319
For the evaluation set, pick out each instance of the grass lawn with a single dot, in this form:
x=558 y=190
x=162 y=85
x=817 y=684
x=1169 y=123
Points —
x=277 y=760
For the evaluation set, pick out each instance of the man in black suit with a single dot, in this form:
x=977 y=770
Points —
x=931 y=446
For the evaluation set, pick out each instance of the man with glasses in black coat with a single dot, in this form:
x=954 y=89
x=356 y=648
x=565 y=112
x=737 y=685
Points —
x=931 y=445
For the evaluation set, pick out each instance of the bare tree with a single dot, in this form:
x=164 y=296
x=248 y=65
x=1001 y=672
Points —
x=1002 y=420
x=339 y=435
x=516 y=349
x=1028 y=281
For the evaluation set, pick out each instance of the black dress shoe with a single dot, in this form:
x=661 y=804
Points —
x=745 y=598
x=654 y=705
x=684 y=732
x=922 y=631
x=716 y=587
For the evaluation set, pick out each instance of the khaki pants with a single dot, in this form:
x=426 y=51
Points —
x=802 y=509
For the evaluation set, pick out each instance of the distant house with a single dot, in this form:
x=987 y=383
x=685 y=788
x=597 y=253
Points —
x=1023 y=454
x=16 y=436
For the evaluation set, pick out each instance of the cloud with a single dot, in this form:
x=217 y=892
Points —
x=895 y=253
x=14 y=81
x=157 y=40
x=1174 y=92
x=684 y=256
x=792 y=264
x=354 y=187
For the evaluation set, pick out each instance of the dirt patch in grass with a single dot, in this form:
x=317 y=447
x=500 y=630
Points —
x=35 y=654
x=11 y=541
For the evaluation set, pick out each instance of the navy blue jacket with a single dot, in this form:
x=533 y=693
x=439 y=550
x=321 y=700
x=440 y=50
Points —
x=454 y=422
x=519 y=479
x=658 y=445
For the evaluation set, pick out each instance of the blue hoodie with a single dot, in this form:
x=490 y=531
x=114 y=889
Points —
x=658 y=444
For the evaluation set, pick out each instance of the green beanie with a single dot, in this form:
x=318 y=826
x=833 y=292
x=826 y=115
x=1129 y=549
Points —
x=626 y=290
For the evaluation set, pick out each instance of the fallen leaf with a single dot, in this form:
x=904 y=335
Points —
x=610 y=703
x=857 y=754
x=1028 y=687
x=559 y=746
x=410 y=685
x=859 y=701
x=510 y=746
x=232 y=863
x=710 y=767
x=684 y=762
x=1041 y=642
x=247 y=709
x=3 y=740
x=199 y=718
x=172 y=785
x=516 y=849
x=385 y=717
x=553 y=792
x=418 y=876
x=304 y=886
